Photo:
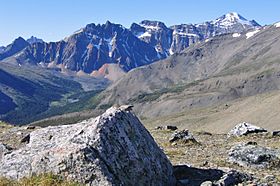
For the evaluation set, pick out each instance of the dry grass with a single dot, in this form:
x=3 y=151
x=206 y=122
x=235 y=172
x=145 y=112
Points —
x=4 y=126
x=42 y=180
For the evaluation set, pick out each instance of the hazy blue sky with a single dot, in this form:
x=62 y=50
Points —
x=52 y=20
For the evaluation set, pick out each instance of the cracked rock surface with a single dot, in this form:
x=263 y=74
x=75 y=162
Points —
x=112 y=149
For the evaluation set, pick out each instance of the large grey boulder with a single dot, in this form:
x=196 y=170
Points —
x=252 y=155
x=244 y=129
x=112 y=149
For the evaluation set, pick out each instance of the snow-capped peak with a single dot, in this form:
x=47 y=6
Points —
x=233 y=18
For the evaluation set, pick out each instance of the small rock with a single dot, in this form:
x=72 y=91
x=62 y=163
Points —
x=270 y=178
x=204 y=133
x=167 y=127
x=207 y=183
x=276 y=133
x=233 y=177
x=254 y=156
x=244 y=129
x=183 y=136
x=252 y=143
x=26 y=139
x=205 y=163
x=30 y=127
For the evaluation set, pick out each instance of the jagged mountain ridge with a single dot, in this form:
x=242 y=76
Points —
x=33 y=40
x=95 y=45
x=17 y=45
x=178 y=37
x=90 y=48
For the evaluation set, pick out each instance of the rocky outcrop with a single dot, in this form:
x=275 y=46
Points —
x=17 y=45
x=252 y=155
x=245 y=128
x=112 y=149
x=183 y=136
x=275 y=133
x=208 y=177
x=232 y=177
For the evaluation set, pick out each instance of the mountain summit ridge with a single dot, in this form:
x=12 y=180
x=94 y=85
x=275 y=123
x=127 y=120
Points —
x=89 y=48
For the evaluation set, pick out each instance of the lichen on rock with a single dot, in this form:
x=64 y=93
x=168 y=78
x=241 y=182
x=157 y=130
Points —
x=112 y=149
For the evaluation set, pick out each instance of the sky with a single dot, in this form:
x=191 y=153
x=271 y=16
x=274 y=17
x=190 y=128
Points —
x=53 y=20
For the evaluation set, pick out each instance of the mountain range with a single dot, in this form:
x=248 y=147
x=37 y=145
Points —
x=160 y=70
x=89 y=48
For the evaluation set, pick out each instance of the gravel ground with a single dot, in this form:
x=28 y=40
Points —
x=212 y=152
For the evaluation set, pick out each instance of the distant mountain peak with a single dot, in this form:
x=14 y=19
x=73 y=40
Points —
x=17 y=45
x=18 y=40
x=234 y=18
x=234 y=15
x=33 y=40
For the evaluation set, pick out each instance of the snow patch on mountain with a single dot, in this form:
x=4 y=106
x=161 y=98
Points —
x=236 y=35
x=79 y=31
x=145 y=34
x=252 y=33
x=277 y=25
x=149 y=27
x=184 y=34
x=170 y=51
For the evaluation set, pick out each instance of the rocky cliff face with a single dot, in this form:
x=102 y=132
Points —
x=33 y=40
x=18 y=45
x=91 y=47
x=112 y=149
x=178 y=37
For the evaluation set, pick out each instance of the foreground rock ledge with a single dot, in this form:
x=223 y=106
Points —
x=112 y=149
